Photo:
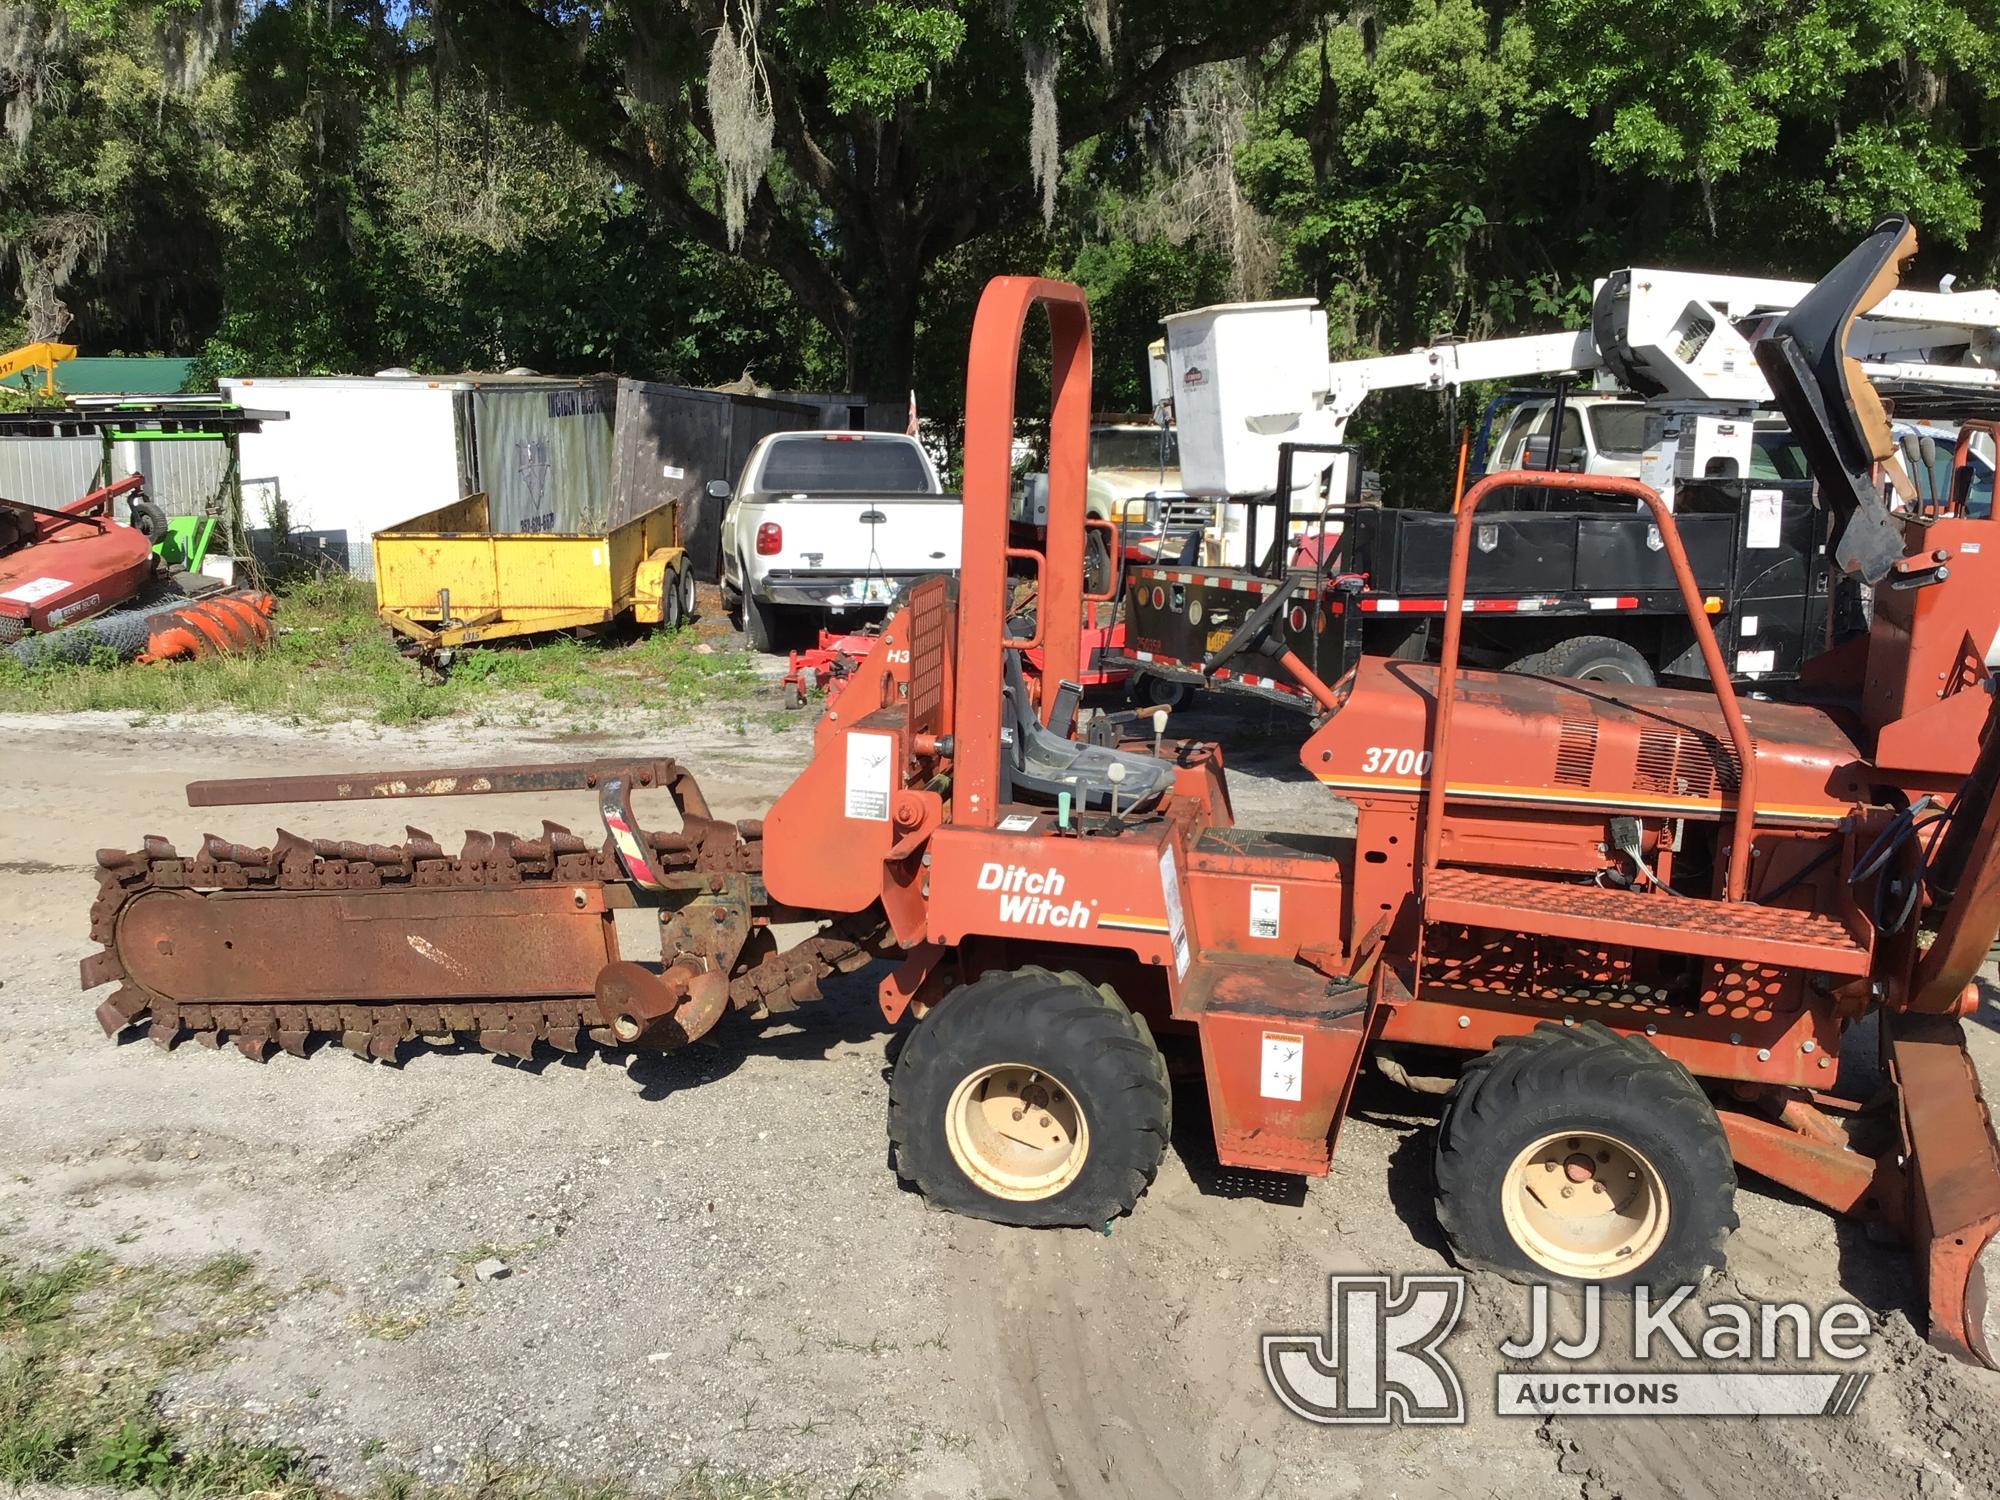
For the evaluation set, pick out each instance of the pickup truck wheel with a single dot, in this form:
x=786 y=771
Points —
x=763 y=624
x=1030 y=1098
x=1589 y=658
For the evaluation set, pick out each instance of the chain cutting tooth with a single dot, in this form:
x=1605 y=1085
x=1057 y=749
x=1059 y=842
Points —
x=302 y=868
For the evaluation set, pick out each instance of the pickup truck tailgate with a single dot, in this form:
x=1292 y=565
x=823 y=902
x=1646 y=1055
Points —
x=888 y=534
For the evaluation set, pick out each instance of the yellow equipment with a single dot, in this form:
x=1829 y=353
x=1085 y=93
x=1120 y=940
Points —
x=444 y=579
x=44 y=357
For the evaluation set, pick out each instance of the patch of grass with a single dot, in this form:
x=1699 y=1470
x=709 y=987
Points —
x=87 y=1344
x=84 y=1348
x=333 y=660
x=494 y=1480
x=515 y=1255
x=391 y=1327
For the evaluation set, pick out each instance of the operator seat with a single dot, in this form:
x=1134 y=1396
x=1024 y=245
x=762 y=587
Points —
x=1038 y=764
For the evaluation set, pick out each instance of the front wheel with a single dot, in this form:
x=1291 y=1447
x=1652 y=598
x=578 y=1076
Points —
x=1573 y=1153
x=1030 y=1098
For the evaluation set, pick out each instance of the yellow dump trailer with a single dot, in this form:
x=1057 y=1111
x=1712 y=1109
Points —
x=444 y=579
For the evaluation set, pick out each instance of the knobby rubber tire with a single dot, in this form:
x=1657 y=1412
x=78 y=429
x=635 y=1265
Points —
x=1587 y=1078
x=1590 y=658
x=1085 y=1038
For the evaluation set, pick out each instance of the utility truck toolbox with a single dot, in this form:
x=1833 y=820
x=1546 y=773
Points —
x=445 y=579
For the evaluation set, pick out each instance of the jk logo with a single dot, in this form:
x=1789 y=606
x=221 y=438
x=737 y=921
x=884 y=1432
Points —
x=1379 y=1359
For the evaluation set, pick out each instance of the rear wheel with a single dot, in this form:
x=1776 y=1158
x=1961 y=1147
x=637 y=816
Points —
x=687 y=586
x=672 y=615
x=1589 y=658
x=763 y=624
x=1574 y=1153
x=1030 y=1098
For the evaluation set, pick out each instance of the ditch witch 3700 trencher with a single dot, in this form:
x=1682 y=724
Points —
x=1642 y=919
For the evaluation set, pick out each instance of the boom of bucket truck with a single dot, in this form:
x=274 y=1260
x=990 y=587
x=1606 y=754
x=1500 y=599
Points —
x=1246 y=377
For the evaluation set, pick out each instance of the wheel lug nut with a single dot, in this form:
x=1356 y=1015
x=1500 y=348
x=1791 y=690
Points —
x=1569 y=1192
x=1045 y=1121
x=1020 y=1113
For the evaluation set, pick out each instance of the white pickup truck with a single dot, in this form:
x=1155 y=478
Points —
x=831 y=523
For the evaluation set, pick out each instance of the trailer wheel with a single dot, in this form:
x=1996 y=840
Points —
x=1590 y=658
x=1148 y=690
x=1574 y=1153
x=672 y=615
x=688 y=598
x=1030 y=1098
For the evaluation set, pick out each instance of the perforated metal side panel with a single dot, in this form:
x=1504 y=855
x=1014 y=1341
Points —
x=930 y=638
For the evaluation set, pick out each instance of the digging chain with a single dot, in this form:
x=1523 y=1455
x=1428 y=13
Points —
x=763 y=979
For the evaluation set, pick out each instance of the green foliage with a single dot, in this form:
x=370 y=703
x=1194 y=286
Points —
x=333 y=661
x=489 y=183
x=1453 y=167
x=84 y=1347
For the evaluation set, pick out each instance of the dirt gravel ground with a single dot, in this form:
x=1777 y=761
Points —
x=713 y=1270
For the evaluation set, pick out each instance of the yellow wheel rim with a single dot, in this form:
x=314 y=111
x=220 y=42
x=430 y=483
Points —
x=1585 y=1205
x=1016 y=1131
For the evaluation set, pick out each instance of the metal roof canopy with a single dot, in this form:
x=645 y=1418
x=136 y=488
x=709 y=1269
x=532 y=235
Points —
x=185 y=419
x=137 y=421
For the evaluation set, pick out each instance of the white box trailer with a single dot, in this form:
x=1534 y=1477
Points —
x=357 y=454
